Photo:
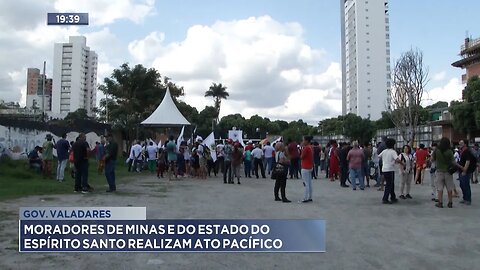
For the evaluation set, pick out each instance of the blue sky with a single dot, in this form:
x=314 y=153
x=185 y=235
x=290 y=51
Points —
x=270 y=54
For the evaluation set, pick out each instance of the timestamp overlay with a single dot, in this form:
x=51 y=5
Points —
x=67 y=18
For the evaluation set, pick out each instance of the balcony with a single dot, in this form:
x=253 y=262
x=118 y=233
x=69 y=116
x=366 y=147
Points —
x=470 y=45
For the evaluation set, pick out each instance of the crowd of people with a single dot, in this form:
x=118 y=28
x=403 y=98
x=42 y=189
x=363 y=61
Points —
x=77 y=154
x=352 y=164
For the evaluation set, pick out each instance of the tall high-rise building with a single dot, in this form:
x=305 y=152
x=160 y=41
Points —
x=365 y=57
x=35 y=91
x=74 y=77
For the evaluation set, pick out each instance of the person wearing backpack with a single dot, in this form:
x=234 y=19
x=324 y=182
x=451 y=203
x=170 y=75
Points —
x=406 y=171
x=443 y=156
x=468 y=164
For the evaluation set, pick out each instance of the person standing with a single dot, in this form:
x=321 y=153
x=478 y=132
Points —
x=152 y=156
x=81 y=151
x=334 y=162
x=236 y=162
x=257 y=154
x=161 y=162
x=468 y=163
x=100 y=154
x=281 y=178
x=380 y=179
x=476 y=153
x=355 y=158
x=343 y=163
x=110 y=158
x=294 y=155
x=227 y=159
x=389 y=157
x=326 y=154
x=406 y=171
x=421 y=156
x=247 y=163
x=322 y=158
x=171 y=147
x=443 y=156
x=186 y=157
x=268 y=153
x=62 y=147
x=307 y=166
x=135 y=163
x=47 y=156
x=433 y=168
x=367 y=152
x=317 y=153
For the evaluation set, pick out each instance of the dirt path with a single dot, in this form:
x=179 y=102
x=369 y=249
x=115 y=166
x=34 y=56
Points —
x=361 y=232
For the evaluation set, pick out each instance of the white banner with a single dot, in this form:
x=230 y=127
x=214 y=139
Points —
x=236 y=136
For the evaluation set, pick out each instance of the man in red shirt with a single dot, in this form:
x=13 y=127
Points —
x=307 y=166
x=420 y=163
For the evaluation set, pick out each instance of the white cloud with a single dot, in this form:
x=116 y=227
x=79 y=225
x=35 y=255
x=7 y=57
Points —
x=143 y=51
x=266 y=66
x=439 y=76
x=450 y=91
x=103 y=12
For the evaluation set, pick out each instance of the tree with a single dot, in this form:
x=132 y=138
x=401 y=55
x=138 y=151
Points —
x=132 y=95
x=385 y=122
x=410 y=77
x=466 y=114
x=218 y=92
x=358 y=128
x=80 y=114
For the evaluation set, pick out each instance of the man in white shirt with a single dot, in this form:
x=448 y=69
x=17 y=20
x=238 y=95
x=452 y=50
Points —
x=268 y=152
x=152 y=157
x=257 y=154
x=136 y=155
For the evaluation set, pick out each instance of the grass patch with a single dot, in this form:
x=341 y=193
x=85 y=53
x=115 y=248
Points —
x=18 y=181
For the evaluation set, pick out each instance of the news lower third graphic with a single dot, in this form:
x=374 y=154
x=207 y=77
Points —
x=126 y=229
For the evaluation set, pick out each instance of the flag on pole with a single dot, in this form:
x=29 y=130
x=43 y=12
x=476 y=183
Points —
x=236 y=136
x=210 y=143
x=180 y=138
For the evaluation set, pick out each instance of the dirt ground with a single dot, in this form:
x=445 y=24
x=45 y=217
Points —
x=361 y=232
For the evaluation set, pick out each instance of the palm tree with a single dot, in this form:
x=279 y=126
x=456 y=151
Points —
x=218 y=92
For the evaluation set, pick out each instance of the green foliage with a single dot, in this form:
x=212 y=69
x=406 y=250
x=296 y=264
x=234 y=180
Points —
x=466 y=114
x=358 y=128
x=385 y=122
x=437 y=105
x=133 y=94
x=292 y=133
x=217 y=92
x=80 y=114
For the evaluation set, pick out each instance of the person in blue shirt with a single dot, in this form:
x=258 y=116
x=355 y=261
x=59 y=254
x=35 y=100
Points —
x=34 y=159
x=62 y=146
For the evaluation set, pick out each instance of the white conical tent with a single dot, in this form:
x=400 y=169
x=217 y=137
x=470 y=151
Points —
x=166 y=114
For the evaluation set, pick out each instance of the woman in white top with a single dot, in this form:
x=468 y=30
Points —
x=389 y=158
x=406 y=171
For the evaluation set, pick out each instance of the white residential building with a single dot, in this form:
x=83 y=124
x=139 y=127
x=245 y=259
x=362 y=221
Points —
x=365 y=57
x=74 y=77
